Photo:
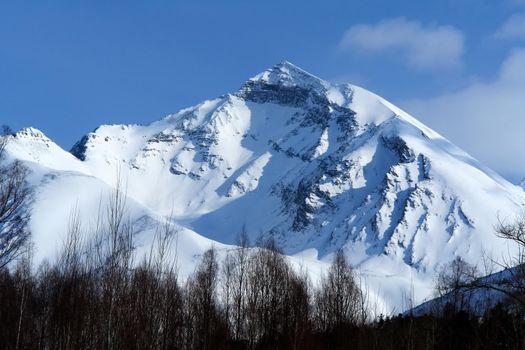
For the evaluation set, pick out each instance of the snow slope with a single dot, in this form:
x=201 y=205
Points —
x=316 y=166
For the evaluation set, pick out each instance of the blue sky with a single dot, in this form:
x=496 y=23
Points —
x=459 y=66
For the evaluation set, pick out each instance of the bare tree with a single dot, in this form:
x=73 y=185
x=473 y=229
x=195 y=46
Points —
x=24 y=272
x=452 y=282
x=454 y=275
x=14 y=199
x=459 y=279
x=338 y=299
x=118 y=257
x=69 y=261
x=163 y=254
x=512 y=280
x=234 y=279
x=4 y=138
x=514 y=232
x=203 y=305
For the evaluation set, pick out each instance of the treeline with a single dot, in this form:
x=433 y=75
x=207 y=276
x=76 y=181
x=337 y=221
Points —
x=96 y=297
x=250 y=299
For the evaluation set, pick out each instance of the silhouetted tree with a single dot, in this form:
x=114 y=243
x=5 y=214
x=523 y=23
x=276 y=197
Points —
x=338 y=299
x=205 y=326
x=14 y=199
x=453 y=281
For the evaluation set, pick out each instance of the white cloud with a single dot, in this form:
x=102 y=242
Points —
x=422 y=46
x=487 y=119
x=513 y=28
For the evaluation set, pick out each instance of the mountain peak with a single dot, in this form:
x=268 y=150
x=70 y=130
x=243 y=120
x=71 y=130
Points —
x=287 y=84
x=30 y=133
x=289 y=75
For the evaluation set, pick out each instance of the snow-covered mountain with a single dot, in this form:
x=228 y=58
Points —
x=316 y=166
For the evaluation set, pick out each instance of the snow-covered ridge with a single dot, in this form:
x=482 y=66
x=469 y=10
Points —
x=316 y=166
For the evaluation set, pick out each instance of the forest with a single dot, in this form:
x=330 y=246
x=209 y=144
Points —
x=251 y=299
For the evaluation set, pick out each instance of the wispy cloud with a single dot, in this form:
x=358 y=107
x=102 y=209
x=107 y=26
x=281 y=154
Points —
x=513 y=28
x=429 y=46
x=487 y=119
